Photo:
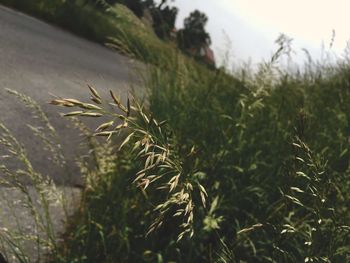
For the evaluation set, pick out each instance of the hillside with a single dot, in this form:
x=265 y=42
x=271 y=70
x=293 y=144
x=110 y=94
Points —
x=213 y=166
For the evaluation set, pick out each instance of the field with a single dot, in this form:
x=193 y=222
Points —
x=214 y=166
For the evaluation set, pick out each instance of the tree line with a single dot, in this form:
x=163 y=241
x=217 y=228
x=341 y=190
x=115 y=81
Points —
x=192 y=39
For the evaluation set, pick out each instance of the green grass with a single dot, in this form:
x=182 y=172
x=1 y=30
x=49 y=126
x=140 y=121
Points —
x=271 y=152
x=116 y=26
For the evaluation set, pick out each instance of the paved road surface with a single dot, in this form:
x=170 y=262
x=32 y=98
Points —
x=38 y=59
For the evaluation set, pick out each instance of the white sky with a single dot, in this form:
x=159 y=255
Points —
x=253 y=25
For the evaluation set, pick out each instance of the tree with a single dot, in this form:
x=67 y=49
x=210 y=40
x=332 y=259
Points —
x=164 y=19
x=193 y=36
x=163 y=15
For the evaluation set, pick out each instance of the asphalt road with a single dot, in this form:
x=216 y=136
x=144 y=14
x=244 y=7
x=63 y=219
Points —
x=38 y=59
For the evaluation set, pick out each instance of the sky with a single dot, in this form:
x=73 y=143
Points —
x=246 y=29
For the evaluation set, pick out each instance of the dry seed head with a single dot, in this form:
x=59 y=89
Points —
x=94 y=92
x=144 y=117
x=146 y=169
x=136 y=145
x=156 y=156
x=104 y=126
x=180 y=237
x=152 y=157
x=61 y=103
x=122 y=117
x=154 y=121
x=189 y=207
x=121 y=107
x=139 y=177
x=144 y=183
x=57 y=102
x=73 y=113
x=74 y=101
x=96 y=100
x=203 y=199
x=107 y=134
x=162 y=123
x=192 y=151
x=120 y=126
x=160 y=224
x=89 y=106
x=173 y=185
x=148 y=161
x=202 y=190
x=145 y=140
x=117 y=102
x=190 y=218
x=178 y=213
x=103 y=133
x=189 y=186
x=127 y=139
x=155 y=178
x=185 y=196
x=297 y=145
x=91 y=114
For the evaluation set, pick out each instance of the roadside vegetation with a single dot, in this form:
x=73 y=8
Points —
x=213 y=167
x=244 y=170
x=144 y=32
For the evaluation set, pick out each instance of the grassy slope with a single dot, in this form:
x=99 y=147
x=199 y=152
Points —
x=242 y=131
x=117 y=26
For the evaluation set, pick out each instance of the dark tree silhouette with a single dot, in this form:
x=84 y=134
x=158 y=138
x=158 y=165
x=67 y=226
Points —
x=164 y=20
x=193 y=36
x=163 y=15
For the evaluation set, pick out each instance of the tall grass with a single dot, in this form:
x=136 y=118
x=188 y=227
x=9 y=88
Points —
x=115 y=25
x=215 y=167
x=31 y=200
x=263 y=160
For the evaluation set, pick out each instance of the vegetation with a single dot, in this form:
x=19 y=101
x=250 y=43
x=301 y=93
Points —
x=194 y=36
x=111 y=22
x=256 y=179
x=214 y=167
x=115 y=25
x=162 y=15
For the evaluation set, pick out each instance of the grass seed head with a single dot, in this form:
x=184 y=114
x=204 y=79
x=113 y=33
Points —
x=94 y=92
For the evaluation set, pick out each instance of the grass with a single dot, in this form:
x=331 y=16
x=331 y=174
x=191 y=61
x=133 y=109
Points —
x=32 y=234
x=115 y=25
x=265 y=182
x=214 y=167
